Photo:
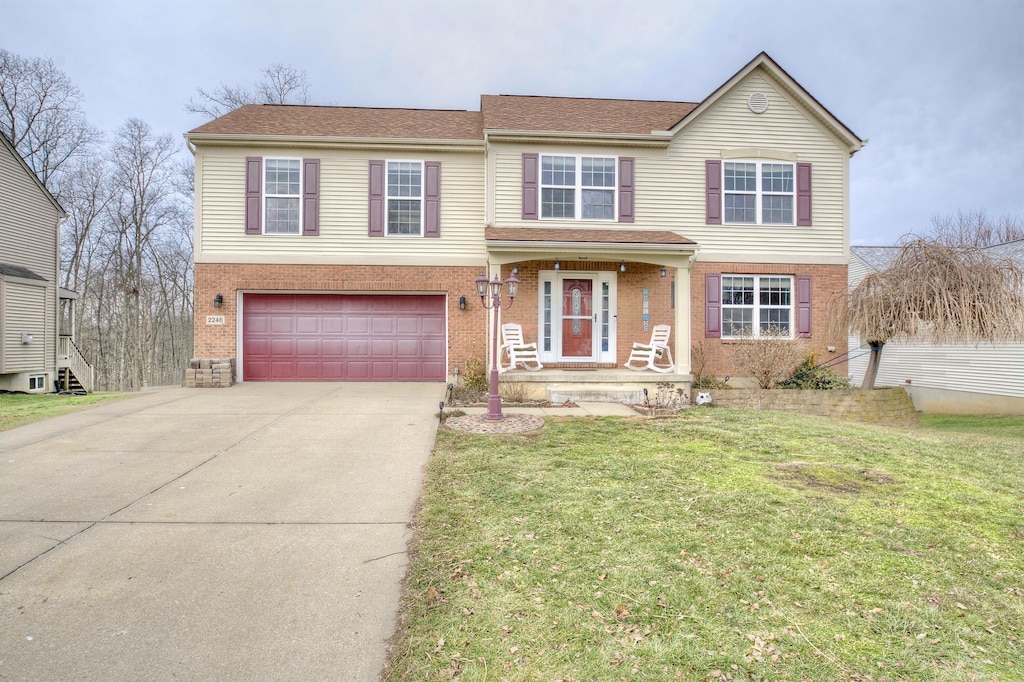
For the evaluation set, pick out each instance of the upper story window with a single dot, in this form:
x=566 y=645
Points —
x=757 y=192
x=757 y=306
x=405 y=198
x=282 y=196
x=578 y=187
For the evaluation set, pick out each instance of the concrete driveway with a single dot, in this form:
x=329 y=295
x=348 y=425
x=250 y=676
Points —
x=251 y=533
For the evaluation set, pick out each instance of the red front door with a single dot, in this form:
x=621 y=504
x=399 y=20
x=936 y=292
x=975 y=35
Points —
x=578 y=319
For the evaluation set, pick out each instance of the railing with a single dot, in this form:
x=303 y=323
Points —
x=69 y=356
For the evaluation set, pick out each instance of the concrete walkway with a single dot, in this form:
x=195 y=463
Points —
x=251 y=533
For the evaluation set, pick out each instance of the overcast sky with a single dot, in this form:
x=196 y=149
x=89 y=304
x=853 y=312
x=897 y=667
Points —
x=937 y=87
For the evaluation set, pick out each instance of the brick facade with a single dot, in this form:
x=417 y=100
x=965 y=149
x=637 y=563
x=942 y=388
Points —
x=465 y=327
x=826 y=281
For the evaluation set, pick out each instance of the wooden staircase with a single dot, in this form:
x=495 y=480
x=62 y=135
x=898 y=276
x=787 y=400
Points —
x=74 y=374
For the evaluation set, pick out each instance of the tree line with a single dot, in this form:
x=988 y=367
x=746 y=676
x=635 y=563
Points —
x=127 y=243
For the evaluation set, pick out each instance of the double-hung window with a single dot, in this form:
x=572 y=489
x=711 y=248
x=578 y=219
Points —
x=578 y=187
x=282 y=187
x=405 y=198
x=757 y=306
x=759 y=192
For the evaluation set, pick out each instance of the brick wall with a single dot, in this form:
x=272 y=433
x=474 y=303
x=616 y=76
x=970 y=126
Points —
x=888 y=406
x=630 y=286
x=466 y=328
x=826 y=281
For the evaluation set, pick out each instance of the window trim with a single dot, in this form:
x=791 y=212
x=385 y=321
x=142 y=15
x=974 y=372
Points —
x=578 y=187
x=421 y=198
x=759 y=193
x=756 y=307
x=264 y=195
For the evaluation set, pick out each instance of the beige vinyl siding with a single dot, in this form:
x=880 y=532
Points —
x=28 y=238
x=993 y=369
x=670 y=184
x=25 y=311
x=344 y=201
x=28 y=221
x=730 y=125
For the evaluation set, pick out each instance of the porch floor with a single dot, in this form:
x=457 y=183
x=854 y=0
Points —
x=619 y=385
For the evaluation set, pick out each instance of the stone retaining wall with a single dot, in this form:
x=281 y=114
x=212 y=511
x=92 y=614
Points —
x=210 y=373
x=889 y=406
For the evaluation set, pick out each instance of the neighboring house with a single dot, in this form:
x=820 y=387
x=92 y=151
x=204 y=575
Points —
x=33 y=351
x=982 y=378
x=337 y=243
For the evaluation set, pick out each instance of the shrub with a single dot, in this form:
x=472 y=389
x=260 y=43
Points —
x=475 y=377
x=810 y=375
x=768 y=358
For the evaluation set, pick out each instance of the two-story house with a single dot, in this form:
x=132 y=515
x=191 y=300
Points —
x=30 y=297
x=337 y=243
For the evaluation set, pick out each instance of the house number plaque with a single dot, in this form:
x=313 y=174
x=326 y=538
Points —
x=214 y=319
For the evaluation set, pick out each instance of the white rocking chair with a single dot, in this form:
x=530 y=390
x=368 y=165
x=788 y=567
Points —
x=518 y=351
x=646 y=355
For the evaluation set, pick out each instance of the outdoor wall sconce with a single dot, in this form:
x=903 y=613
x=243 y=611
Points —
x=622 y=266
x=557 y=265
x=515 y=269
x=664 y=272
x=462 y=302
x=218 y=301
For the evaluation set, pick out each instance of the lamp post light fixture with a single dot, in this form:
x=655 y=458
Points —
x=493 y=289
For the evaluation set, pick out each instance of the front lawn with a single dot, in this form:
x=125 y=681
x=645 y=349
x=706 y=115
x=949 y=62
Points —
x=718 y=546
x=18 y=409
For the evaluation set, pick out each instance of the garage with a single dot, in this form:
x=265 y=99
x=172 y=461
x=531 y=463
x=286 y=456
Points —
x=343 y=337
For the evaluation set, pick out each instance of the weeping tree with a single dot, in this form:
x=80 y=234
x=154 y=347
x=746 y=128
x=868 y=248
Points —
x=939 y=294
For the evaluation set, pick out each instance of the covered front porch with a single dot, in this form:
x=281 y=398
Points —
x=585 y=297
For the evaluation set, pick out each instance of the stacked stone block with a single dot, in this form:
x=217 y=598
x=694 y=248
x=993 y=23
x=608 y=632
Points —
x=888 y=406
x=210 y=373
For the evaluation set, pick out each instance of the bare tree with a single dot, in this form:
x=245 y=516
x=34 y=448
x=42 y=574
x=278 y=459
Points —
x=41 y=112
x=975 y=228
x=86 y=194
x=281 y=84
x=141 y=206
x=936 y=293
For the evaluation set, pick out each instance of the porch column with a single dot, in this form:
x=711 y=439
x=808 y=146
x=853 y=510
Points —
x=683 y=322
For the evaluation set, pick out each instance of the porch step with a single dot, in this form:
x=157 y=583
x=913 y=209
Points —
x=67 y=381
x=598 y=386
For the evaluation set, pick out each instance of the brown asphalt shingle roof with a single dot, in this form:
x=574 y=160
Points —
x=498 y=112
x=545 y=234
x=576 y=115
x=350 y=122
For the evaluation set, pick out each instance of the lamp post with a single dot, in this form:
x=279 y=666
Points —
x=482 y=286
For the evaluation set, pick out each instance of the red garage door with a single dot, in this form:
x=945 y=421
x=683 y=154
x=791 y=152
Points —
x=343 y=337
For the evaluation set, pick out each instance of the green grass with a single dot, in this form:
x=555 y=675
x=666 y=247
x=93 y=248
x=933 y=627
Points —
x=717 y=545
x=18 y=409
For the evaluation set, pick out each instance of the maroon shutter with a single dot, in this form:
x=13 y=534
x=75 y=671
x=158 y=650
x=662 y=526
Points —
x=626 y=195
x=713 y=191
x=713 y=305
x=803 y=194
x=432 y=199
x=253 y=194
x=311 y=197
x=803 y=306
x=376 y=218
x=530 y=178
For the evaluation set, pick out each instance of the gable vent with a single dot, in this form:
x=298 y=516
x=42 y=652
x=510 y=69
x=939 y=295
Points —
x=758 y=102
